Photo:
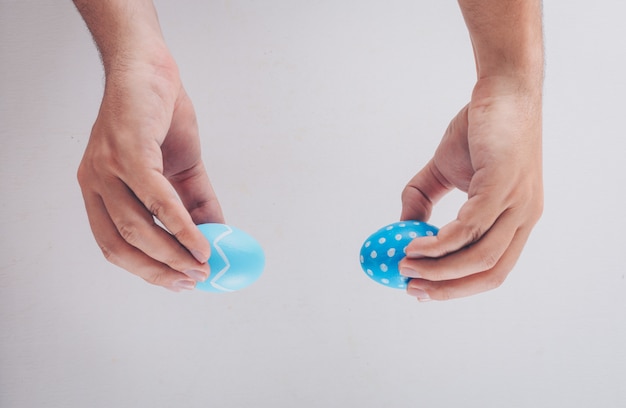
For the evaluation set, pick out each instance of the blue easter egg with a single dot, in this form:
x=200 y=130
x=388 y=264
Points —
x=237 y=260
x=382 y=251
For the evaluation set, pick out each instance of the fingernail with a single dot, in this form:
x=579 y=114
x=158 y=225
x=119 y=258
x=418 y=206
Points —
x=198 y=255
x=418 y=293
x=186 y=284
x=199 y=276
x=411 y=273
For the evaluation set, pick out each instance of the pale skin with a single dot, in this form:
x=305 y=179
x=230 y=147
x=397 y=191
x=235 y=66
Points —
x=145 y=145
x=492 y=151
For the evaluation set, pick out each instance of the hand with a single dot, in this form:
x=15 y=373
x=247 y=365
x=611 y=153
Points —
x=144 y=146
x=492 y=151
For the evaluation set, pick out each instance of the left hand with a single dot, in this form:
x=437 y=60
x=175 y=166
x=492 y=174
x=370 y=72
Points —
x=492 y=151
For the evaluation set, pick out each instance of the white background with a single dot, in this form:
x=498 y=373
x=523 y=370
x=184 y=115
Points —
x=313 y=116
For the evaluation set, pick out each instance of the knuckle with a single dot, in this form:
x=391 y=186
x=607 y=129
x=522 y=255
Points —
x=153 y=279
x=437 y=252
x=537 y=211
x=434 y=274
x=474 y=231
x=87 y=175
x=182 y=235
x=415 y=199
x=407 y=193
x=129 y=233
x=496 y=280
x=174 y=263
x=109 y=253
x=164 y=210
x=442 y=293
x=156 y=276
x=531 y=205
x=487 y=260
x=532 y=209
x=81 y=175
x=156 y=208
x=436 y=248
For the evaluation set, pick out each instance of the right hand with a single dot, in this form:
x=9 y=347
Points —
x=492 y=151
x=143 y=146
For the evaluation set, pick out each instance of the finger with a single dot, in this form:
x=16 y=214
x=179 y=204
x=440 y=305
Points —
x=478 y=257
x=137 y=227
x=475 y=218
x=190 y=181
x=158 y=197
x=197 y=194
x=472 y=284
x=422 y=192
x=120 y=253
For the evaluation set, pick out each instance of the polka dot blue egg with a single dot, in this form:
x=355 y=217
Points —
x=384 y=249
x=237 y=259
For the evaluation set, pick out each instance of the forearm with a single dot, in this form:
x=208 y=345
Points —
x=125 y=32
x=507 y=39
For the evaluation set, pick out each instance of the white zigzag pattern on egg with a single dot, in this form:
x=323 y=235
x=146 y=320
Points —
x=221 y=253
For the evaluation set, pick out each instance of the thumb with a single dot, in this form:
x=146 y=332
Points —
x=196 y=192
x=423 y=191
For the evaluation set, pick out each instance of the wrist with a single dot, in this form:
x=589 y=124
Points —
x=141 y=48
x=507 y=38
x=128 y=34
x=156 y=62
x=524 y=65
x=519 y=93
x=156 y=74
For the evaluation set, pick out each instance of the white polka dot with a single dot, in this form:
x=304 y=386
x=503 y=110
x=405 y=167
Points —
x=404 y=250
x=362 y=259
x=384 y=267
x=385 y=281
x=402 y=225
x=389 y=228
x=382 y=240
x=416 y=223
x=413 y=234
x=398 y=237
x=373 y=254
x=391 y=252
x=430 y=233
x=367 y=244
x=369 y=272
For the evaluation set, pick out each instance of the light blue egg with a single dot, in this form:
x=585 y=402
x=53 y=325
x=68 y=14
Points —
x=384 y=249
x=237 y=260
